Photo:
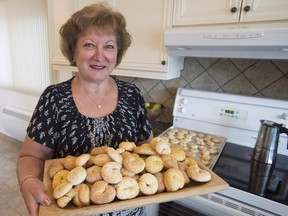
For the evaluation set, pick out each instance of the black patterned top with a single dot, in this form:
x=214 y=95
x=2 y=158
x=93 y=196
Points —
x=57 y=123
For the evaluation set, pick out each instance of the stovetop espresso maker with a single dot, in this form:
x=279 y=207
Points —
x=264 y=155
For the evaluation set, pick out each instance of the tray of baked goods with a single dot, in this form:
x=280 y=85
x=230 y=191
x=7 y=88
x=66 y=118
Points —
x=108 y=179
x=203 y=147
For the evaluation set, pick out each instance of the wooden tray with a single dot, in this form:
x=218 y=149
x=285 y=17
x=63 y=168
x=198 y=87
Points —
x=193 y=189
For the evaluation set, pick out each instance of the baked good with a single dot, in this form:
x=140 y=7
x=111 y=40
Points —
x=134 y=163
x=173 y=179
x=169 y=161
x=101 y=159
x=163 y=148
x=127 y=188
x=178 y=154
x=82 y=159
x=98 y=150
x=144 y=149
x=102 y=192
x=125 y=172
x=59 y=178
x=195 y=172
x=54 y=168
x=64 y=200
x=82 y=195
x=128 y=146
x=77 y=175
x=69 y=162
x=153 y=164
x=62 y=189
x=154 y=141
x=94 y=174
x=111 y=172
x=161 y=186
x=114 y=155
x=148 y=184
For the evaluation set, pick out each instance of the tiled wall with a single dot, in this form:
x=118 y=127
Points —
x=264 y=78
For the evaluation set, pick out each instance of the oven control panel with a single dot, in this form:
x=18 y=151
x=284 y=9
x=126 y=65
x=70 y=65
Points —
x=230 y=113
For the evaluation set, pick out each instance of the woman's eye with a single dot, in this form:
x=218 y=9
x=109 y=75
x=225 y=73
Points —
x=89 y=45
x=109 y=46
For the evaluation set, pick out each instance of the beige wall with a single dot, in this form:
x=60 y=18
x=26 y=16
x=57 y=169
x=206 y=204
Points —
x=264 y=78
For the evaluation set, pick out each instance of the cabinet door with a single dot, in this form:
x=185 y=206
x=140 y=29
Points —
x=195 y=12
x=264 y=10
x=146 y=21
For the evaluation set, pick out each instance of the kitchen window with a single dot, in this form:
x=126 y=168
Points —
x=24 y=57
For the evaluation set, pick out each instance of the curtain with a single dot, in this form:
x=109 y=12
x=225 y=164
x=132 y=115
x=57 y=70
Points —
x=24 y=56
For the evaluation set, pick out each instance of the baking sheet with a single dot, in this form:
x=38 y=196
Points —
x=193 y=189
x=196 y=136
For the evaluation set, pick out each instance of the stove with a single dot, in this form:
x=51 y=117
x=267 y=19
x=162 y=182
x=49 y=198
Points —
x=237 y=118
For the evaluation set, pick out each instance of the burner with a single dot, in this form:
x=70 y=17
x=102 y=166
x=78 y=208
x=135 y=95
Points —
x=234 y=167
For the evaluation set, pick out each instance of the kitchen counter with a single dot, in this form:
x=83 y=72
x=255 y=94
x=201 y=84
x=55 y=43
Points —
x=158 y=127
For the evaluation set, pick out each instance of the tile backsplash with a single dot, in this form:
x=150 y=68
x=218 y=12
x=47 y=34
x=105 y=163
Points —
x=261 y=78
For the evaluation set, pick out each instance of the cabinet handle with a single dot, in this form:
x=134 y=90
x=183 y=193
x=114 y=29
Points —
x=163 y=62
x=247 y=8
x=233 y=10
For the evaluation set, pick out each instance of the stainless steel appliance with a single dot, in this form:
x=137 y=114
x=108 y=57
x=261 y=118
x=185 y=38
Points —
x=236 y=118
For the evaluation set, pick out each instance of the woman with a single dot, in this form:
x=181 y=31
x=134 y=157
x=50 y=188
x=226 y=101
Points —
x=89 y=110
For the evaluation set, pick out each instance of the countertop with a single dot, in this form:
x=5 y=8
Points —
x=158 y=127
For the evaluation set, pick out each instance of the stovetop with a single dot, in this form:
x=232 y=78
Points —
x=234 y=167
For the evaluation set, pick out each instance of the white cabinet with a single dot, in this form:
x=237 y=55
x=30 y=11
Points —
x=147 y=57
x=195 y=12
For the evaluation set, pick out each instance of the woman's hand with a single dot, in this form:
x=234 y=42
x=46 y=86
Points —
x=33 y=194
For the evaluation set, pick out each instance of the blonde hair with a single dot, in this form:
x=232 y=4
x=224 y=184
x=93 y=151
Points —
x=99 y=16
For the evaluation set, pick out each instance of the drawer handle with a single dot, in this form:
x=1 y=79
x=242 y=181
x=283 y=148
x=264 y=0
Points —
x=233 y=10
x=163 y=62
x=247 y=8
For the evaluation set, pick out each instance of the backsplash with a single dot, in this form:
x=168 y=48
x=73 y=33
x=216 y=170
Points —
x=264 y=78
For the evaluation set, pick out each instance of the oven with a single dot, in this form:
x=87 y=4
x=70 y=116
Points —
x=237 y=118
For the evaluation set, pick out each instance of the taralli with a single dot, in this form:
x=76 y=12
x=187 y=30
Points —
x=127 y=188
x=82 y=195
x=94 y=174
x=102 y=192
x=114 y=155
x=101 y=159
x=148 y=184
x=178 y=154
x=161 y=186
x=77 y=175
x=134 y=163
x=111 y=172
x=69 y=162
x=62 y=189
x=144 y=149
x=81 y=160
x=64 y=200
x=153 y=164
x=128 y=171
x=195 y=172
x=128 y=146
x=99 y=150
x=55 y=167
x=173 y=179
x=59 y=178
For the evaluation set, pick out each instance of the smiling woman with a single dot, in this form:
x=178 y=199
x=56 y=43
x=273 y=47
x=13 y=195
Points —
x=24 y=58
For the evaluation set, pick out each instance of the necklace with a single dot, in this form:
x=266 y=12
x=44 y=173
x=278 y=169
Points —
x=99 y=106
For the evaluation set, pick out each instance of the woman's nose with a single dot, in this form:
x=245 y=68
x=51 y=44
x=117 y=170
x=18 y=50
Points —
x=98 y=55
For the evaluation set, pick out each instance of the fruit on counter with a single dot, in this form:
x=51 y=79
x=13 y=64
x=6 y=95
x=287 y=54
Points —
x=154 y=106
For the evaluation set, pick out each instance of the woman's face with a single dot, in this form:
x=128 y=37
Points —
x=96 y=54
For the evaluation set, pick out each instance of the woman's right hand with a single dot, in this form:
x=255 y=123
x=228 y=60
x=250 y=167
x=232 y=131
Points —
x=33 y=193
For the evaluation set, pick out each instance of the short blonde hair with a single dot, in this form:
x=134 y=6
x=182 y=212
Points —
x=98 y=16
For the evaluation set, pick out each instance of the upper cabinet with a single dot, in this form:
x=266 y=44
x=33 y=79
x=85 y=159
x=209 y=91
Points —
x=195 y=12
x=147 y=57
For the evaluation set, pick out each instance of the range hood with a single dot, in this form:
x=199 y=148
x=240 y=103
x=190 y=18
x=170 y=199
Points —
x=246 y=41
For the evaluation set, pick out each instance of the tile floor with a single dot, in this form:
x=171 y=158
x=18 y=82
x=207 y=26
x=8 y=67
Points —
x=11 y=201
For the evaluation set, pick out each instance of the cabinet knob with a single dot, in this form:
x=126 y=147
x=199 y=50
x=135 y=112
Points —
x=163 y=62
x=233 y=9
x=247 y=8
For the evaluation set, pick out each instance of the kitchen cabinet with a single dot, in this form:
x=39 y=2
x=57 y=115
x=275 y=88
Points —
x=194 y=12
x=147 y=57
